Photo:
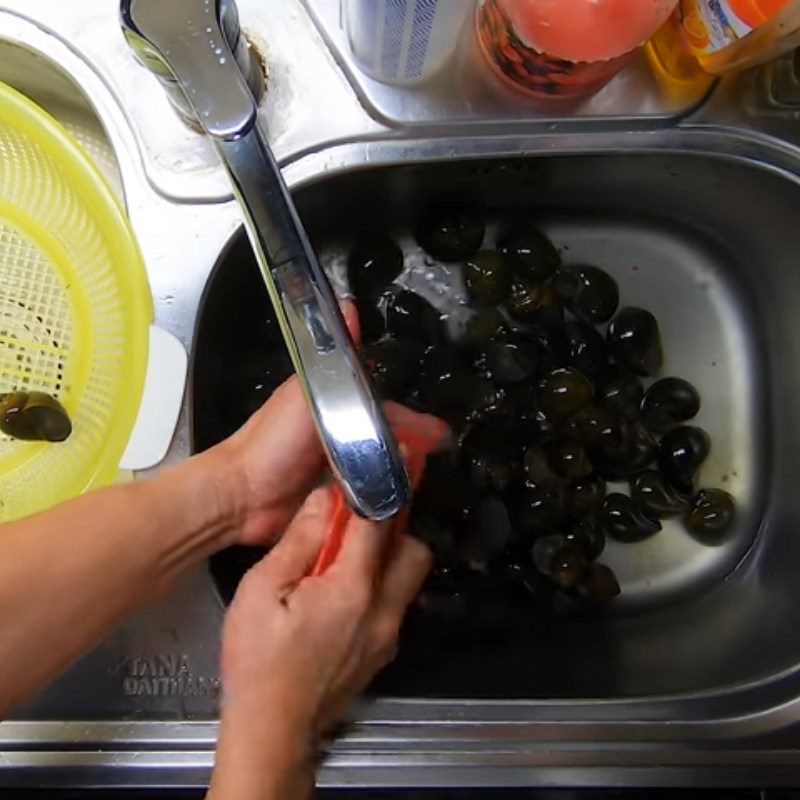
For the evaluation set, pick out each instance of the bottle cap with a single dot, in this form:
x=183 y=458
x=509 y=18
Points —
x=587 y=30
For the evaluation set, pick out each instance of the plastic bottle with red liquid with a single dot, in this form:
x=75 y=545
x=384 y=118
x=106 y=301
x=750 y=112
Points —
x=562 y=49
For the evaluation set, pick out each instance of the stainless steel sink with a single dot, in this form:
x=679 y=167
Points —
x=657 y=223
x=696 y=669
x=47 y=84
x=694 y=679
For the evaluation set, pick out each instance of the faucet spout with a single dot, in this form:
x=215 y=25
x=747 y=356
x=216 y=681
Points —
x=196 y=49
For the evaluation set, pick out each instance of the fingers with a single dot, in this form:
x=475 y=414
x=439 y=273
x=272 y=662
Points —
x=287 y=418
x=404 y=575
x=432 y=432
x=403 y=578
x=419 y=435
x=287 y=410
x=280 y=453
x=351 y=318
x=294 y=556
x=361 y=557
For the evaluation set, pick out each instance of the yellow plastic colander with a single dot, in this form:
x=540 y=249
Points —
x=75 y=308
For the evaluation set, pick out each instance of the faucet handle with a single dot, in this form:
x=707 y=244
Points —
x=196 y=49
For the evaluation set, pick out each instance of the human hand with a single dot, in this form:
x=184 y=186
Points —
x=275 y=460
x=271 y=464
x=297 y=649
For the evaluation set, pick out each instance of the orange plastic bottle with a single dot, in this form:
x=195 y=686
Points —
x=565 y=48
x=681 y=79
x=726 y=35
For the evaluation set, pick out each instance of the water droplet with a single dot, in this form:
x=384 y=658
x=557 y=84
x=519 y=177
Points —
x=222 y=61
x=218 y=51
x=209 y=30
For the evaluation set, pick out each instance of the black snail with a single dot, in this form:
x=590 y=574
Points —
x=548 y=387
x=34 y=416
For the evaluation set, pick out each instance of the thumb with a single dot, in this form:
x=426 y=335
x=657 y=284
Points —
x=294 y=556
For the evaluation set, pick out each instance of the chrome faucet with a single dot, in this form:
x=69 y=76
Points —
x=197 y=50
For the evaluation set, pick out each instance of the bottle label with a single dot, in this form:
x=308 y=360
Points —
x=711 y=25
